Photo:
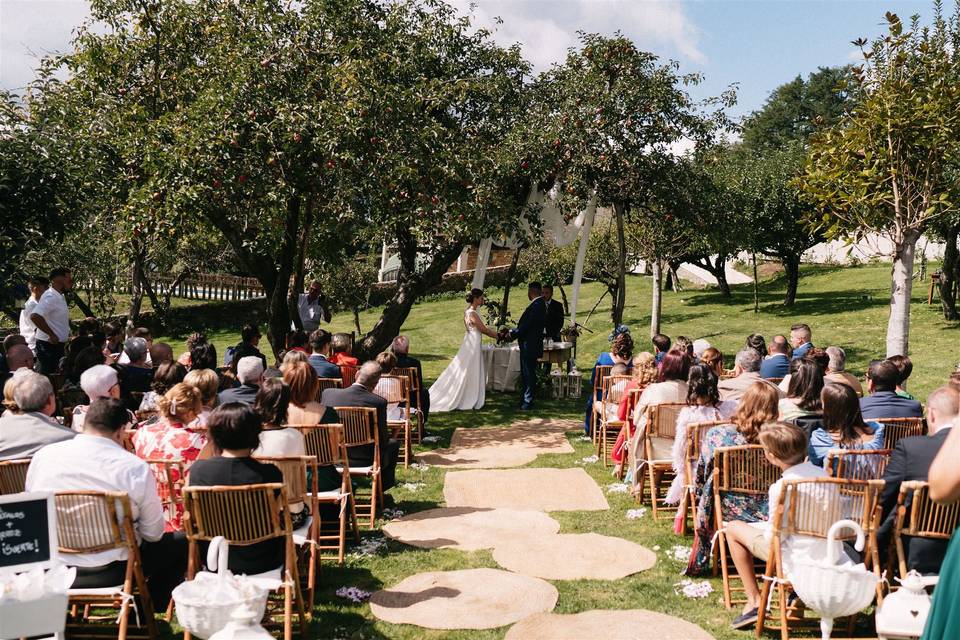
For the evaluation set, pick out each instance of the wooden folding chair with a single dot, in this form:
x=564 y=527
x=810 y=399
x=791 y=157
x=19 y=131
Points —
x=396 y=390
x=415 y=392
x=696 y=432
x=349 y=374
x=920 y=517
x=296 y=470
x=607 y=408
x=737 y=472
x=895 y=429
x=600 y=373
x=658 y=435
x=327 y=383
x=93 y=522
x=324 y=442
x=857 y=464
x=809 y=507
x=246 y=515
x=13 y=476
x=360 y=430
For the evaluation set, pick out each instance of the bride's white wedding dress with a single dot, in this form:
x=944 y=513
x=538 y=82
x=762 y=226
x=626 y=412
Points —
x=462 y=385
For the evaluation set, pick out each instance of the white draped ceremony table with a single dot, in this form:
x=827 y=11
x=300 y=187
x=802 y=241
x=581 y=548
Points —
x=503 y=367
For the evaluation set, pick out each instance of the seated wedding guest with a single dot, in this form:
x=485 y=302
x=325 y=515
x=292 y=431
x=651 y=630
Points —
x=137 y=374
x=9 y=342
x=165 y=378
x=78 y=358
x=95 y=460
x=661 y=345
x=99 y=381
x=234 y=429
x=713 y=360
x=699 y=347
x=304 y=408
x=746 y=371
x=146 y=335
x=644 y=373
x=272 y=405
x=803 y=394
x=815 y=355
x=703 y=405
x=844 y=427
x=19 y=357
x=387 y=362
x=683 y=344
x=113 y=333
x=757 y=407
x=320 y=358
x=298 y=341
x=208 y=384
x=758 y=343
x=777 y=363
x=883 y=401
x=800 y=340
x=30 y=427
x=170 y=438
x=360 y=394
x=249 y=339
x=785 y=446
x=904 y=366
x=619 y=387
x=340 y=345
x=291 y=357
x=250 y=375
x=160 y=353
x=401 y=348
x=837 y=373
x=911 y=460
x=555 y=315
x=621 y=352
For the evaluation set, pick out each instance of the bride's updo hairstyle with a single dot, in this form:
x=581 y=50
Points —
x=473 y=295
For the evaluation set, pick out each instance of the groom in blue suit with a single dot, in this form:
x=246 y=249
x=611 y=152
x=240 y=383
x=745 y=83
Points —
x=529 y=336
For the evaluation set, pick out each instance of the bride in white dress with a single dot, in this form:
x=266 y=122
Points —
x=462 y=385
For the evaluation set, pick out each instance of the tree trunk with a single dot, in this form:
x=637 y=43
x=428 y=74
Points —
x=756 y=287
x=901 y=288
x=511 y=274
x=356 y=320
x=279 y=323
x=656 y=303
x=410 y=286
x=136 y=294
x=563 y=296
x=673 y=278
x=301 y=265
x=179 y=278
x=718 y=269
x=620 y=299
x=951 y=262
x=791 y=265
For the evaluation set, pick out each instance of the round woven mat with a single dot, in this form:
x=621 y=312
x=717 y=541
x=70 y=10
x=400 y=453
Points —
x=469 y=529
x=633 y=624
x=588 y=556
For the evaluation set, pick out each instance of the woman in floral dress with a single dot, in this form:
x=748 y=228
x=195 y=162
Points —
x=757 y=406
x=170 y=439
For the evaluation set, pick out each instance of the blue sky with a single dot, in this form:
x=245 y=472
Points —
x=758 y=44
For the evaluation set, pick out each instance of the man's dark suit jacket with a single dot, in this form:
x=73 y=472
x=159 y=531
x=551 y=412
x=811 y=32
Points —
x=245 y=393
x=911 y=460
x=555 y=317
x=423 y=402
x=529 y=331
x=323 y=367
x=357 y=395
x=887 y=404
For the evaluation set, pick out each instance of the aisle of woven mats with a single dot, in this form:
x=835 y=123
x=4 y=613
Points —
x=492 y=504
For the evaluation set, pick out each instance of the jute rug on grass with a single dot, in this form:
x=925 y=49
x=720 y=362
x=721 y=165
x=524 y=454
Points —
x=469 y=529
x=633 y=624
x=467 y=599
x=499 y=448
x=580 y=556
x=538 y=489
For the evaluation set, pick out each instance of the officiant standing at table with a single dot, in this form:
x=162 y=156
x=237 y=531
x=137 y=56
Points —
x=529 y=336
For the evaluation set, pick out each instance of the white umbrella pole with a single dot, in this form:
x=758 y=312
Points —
x=581 y=256
x=483 y=257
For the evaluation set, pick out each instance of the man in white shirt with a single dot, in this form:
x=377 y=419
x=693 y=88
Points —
x=52 y=319
x=311 y=308
x=95 y=460
x=28 y=330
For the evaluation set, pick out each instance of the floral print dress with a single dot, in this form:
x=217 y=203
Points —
x=169 y=441
x=739 y=507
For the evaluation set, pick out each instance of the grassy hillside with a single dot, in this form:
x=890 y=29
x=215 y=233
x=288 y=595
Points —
x=845 y=306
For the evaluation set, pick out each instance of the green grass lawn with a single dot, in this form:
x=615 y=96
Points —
x=845 y=306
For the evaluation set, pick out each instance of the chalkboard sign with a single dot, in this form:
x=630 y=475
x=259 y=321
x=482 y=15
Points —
x=28 y=531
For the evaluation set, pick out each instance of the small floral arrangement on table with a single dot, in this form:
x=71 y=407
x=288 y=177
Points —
x=570 y=333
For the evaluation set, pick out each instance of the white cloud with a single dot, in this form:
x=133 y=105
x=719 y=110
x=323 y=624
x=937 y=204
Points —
x=32 y=29
x=547 y=28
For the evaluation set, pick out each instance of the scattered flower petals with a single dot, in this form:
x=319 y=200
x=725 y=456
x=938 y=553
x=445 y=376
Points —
x=354 y=594
x=588 y=460
x=420 y=466
x=584 y=439
x=691 y=589
x=636 y=514
x=679 y=553
x=370 y=547
x=430 y=440
x=618 y=487
x=412 y=486
x=656 y=547
x=392 y=514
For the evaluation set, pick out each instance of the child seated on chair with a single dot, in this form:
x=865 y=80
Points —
x=785 y=446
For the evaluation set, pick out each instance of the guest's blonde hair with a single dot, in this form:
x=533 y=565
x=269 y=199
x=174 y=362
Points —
x=644 y=368
x=785 y=442
x=302 y=380
x=758 y=405
x=207 y=382
x=180 y=400
x=291 y=357
x=9 y=403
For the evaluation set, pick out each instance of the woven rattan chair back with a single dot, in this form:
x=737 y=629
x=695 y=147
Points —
x=920 y=517
x=91 y=521
x=614 y=388
x=696 y=433
x=662 y=420
x=393 y=389
x=244 y=514
x=294 y=470
x=358 y=425
x=410 y=373
x=324 y=442
x=895 y=429
x=13 y=476
x=857 y=464
x=742 y=470
x=328 y=383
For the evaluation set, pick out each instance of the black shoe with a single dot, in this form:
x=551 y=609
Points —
x=747 y=619
x=526 y=407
